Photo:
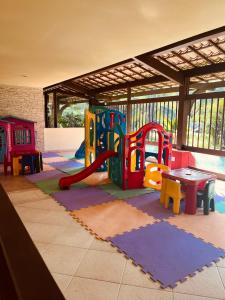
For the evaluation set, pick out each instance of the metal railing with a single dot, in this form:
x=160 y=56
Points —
x=163 y=112
x=206 y=123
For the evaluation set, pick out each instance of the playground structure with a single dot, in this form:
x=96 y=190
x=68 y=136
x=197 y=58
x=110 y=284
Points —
x=17 y=145
x=97 y=126
x=108 y=147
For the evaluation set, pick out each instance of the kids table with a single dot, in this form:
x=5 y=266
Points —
x=191 y=178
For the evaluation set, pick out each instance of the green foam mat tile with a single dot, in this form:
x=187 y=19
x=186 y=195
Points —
x=220 y=207
x=51 y=185
x=72 y=171
x=116 y=191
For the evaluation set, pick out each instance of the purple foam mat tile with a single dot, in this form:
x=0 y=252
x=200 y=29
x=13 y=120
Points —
x=50 y=154
x=45 y=175
x=82 y=198
x=66 y=164
x=150 y=204
x=167 y=253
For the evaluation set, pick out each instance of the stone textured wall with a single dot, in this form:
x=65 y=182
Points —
x=27 y=103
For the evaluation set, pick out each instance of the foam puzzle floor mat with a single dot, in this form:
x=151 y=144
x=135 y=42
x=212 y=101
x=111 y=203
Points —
x=167 y=253
x=82 y=198
x=220 y=207
x=210 y=228
x=168 y=247
x=69 y=164
x=113 y=189
x=51 y=185
x=50 y=154
x=44 y=175
x=149 y=203
x=108 y=219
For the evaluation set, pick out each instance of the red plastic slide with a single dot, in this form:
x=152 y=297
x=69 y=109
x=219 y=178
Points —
x=65 y=182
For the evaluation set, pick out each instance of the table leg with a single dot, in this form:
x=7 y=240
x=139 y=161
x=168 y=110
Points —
x=191 y=199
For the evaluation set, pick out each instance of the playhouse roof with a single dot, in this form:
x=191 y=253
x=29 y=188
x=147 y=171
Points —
x=6 y=119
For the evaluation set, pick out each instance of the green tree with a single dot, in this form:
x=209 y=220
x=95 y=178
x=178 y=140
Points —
x=71 y=120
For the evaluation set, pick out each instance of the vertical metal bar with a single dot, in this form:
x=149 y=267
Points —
x=177 y=107
x=143 y=114
x=153 y=109
x=142 y=120
x=131 y=118
x=55 y=110
x=164 y=103
x=199 y=120
x=189 y=122
x=137 y=126
x=171 y=119
x=167 y=116
x=193 y=129
x=203 y=142
x=159 y=112
x=215 y=133
x=146 y=112
x=222 y=127
x=140 y=115
x=129 y=109
x=136 y=117
x=210 y=123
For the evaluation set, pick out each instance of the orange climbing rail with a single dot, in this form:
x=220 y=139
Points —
x=65 y=182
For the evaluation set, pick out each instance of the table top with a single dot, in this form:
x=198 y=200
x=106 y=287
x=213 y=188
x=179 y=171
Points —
x=188 y=175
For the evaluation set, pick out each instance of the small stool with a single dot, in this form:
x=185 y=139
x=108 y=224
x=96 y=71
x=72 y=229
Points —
x=207 y=197
x=173 y=190
x=28 y=160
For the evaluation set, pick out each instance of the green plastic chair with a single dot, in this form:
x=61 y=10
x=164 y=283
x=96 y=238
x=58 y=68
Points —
x=207 y=197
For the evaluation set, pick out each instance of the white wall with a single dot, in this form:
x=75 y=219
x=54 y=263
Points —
x=63 y=138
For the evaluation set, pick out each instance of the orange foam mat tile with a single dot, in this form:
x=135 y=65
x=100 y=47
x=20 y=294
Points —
x=112 y=218
x=210 y=228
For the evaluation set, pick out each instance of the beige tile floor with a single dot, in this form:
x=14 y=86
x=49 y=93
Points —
x=89 y=269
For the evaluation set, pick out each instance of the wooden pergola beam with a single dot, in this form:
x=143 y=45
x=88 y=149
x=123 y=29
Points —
x=161 y=68
x=150 y=80
x=182 y=115
x=145 y=93
x=119 y=64
x=208 y=85
x=77 y=88
x=198 y=71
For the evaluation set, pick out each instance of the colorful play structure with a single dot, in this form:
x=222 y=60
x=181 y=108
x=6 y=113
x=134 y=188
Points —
x=17 y=146
x=108 y=147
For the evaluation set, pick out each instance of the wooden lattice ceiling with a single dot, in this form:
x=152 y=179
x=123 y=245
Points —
x=200 y=58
